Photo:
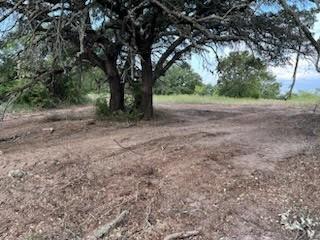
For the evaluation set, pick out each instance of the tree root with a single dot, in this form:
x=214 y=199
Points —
x=107 y=228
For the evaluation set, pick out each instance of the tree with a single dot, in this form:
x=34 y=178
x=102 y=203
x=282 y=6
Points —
x=139 y=40
x=304 y=24
x=243 y=75
x=51 y=89
x=204 y=89
x=178 y=80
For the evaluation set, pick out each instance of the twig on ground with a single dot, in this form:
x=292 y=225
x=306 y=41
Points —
x=127 y=148
x=182 y=235
x=107 y=228
x=148 y=213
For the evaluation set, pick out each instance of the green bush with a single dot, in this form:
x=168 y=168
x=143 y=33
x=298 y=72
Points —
x=102 y=107
x=103 y=111
x=204 y=90
x=42 y=95
x=135 y=98
x=38 y=96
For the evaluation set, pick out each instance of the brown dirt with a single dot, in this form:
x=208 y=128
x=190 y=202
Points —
x=226 y=170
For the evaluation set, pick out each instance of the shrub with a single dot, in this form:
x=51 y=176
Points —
x=38 y=96
x=103 y=111
x=204 y=90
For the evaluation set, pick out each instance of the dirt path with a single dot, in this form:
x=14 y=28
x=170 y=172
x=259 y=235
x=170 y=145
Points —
x=226 y=170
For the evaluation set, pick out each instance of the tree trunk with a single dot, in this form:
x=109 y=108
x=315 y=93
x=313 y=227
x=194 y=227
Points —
x=294 y=77
x=56 y=87
x=147 y=82
x=116 y=102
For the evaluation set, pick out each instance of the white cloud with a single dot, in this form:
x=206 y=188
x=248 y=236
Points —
x=306 y=70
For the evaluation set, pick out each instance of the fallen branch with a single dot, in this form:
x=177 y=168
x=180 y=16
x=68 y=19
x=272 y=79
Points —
x=107 y=228
x=182 y=235
x=127 y=148
x=147 y=219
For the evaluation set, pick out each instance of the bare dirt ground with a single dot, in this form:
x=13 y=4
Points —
x=228 y=171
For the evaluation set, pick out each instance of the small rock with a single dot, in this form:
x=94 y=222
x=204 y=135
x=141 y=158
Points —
x=1 y=152
x=17 y=173
x=50 y=130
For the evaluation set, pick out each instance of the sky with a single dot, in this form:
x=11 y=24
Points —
x=308 y=79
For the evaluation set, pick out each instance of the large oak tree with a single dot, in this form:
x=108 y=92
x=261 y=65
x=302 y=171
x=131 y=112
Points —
x=139 y=40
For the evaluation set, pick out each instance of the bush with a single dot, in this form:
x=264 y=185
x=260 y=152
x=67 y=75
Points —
x=204 y=90
x=38 y=97
x=44 y=94
x=103 y=111
x=102 y=107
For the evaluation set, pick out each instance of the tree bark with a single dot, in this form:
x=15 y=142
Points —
x=56 y=86
x=147 y=84
x=294 y=77
x=116 y=102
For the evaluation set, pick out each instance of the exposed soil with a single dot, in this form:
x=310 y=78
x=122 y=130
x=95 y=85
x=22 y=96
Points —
x=228 y=171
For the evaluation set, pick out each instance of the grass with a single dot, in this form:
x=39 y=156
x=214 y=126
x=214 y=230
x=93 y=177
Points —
x=306 y=98
x=301 y=99
x=26 y=108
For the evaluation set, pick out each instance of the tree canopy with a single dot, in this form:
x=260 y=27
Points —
x=243 y=75
x=178 y=80
x=139 y=40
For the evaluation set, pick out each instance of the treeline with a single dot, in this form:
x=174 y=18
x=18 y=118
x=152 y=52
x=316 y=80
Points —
x=239 y=75
x=135 y=43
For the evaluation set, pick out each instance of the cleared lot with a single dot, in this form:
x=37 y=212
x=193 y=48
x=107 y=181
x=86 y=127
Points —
x=226 y=170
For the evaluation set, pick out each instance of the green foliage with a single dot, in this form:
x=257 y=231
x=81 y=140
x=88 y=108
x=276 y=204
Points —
x=200 y=90
x=243 y=75
x=103 y=111
x=46 y=93
x=204 y=90
x=135 y=90
x=178 y=80
x=94 y=80
x=270 y=88
x=69 y=90
x=51 y=90
x=38 y=97
x=7 y=75
x=102 y=107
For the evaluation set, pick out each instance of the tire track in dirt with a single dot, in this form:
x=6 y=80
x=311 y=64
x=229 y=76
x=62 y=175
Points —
x=209 y=166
